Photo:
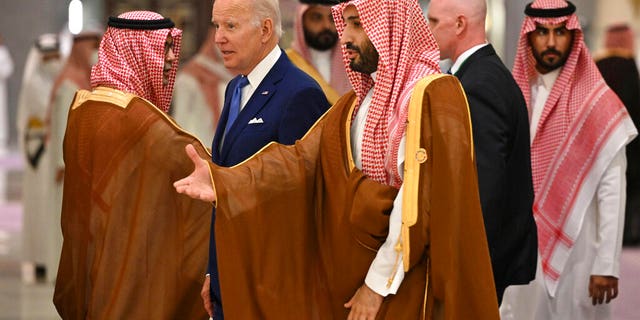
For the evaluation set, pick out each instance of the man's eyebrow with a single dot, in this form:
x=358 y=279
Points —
x=352 y=18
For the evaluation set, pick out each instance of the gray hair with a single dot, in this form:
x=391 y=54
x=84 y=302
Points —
x=268 y=9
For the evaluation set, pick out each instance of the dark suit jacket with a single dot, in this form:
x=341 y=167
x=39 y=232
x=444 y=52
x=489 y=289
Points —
x=501 y=137
x=288 y=102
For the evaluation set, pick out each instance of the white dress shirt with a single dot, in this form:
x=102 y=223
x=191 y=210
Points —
x=258 y=74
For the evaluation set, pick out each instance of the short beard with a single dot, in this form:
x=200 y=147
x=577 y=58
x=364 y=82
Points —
x=368 y=58
x=321 y=41
x=548 y=67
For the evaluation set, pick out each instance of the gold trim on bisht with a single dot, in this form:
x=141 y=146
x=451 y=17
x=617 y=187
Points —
x=415 y=156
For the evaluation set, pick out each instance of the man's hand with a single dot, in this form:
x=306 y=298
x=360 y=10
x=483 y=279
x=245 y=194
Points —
x=198 y=184
x=601 y=288
x=205 y=293
x=364 y=304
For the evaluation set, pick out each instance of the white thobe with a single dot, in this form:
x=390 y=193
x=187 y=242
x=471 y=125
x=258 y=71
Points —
x=33 y=103
x=596 y=250
x=60 y=103
x=190 y=108
x=6 y=69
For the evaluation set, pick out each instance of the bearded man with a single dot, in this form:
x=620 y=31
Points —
x=132 y=248
x=579 y=130
x=365 y=217
x=315 y=48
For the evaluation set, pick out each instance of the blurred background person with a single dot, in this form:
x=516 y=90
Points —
x=315 y=48
x=74 y=76
x=618 y=67
x=6 y=69
x=42 y=66
x=199 y=92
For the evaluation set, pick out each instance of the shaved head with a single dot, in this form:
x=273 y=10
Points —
x=457 y=25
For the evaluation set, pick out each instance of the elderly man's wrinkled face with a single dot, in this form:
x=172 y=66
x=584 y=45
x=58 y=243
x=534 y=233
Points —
x=238 y=35
x=360 y=51
x=319 y=30
x=550 y=45
x=169 y=58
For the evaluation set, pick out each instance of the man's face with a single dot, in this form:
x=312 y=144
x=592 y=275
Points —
x=551 y=46
x=169 y=58
x=360 y=50
x=319 y=30
x=237 y=35
x=443 y=27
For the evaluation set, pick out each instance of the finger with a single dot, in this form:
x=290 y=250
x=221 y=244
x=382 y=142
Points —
x=615 y=292
x=192 y=153
x=349 y=304
x=608 y=295
x=601 y=297
x=594 y=300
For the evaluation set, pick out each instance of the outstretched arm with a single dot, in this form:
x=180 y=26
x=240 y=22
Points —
x=199 y=184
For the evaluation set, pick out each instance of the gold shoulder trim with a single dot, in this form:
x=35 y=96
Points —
x=80 y=98
x=415 y=155
x=104 y=94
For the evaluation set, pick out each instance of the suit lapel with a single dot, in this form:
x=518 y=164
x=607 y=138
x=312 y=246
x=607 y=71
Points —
x=216 y=155
x=261 y=96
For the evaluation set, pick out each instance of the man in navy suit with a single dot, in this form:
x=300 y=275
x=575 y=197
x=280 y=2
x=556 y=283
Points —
x=501 y=137
x=269 y=99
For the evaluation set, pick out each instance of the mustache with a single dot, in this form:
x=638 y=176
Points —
x=351 y=46
x=553 y=51
x=327 y=32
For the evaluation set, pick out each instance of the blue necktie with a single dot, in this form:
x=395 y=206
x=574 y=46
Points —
x=236 y=99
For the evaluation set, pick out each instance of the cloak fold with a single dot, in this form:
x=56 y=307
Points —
x=297 y=227
x=133 y=248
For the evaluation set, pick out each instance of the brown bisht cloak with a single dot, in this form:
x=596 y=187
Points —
x=298 y=226
x=133 y=248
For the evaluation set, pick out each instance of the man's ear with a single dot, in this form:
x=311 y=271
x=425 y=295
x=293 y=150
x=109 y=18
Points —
x=461 y=24
x=267 y=30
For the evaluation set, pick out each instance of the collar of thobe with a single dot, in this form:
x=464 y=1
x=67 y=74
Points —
x=548 y=79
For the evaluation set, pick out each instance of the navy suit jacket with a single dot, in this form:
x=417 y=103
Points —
x=282 y=109
x=501 y=137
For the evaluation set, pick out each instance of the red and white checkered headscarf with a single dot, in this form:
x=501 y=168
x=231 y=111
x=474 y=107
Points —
x=132 y=60
x=582 y=126
x=408 y=52
x=339 y=80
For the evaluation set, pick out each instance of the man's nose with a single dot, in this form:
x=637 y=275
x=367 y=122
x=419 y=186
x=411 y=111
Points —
x=551 y=40
x=219 y=37
x=171 y=55
x=328 y=24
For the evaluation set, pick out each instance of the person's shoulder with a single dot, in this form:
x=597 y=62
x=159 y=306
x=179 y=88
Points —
x=295 y=78
x=487 y=71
